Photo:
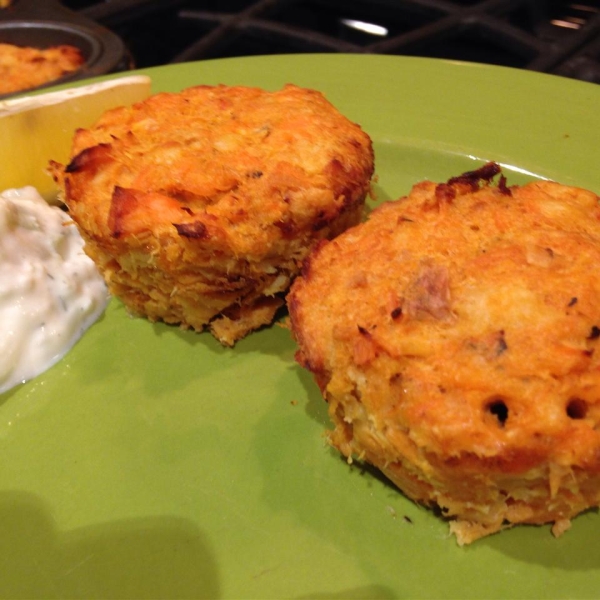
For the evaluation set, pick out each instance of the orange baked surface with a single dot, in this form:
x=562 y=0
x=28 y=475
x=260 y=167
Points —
x=23 y=68
x=199 y=206
x=455 y=337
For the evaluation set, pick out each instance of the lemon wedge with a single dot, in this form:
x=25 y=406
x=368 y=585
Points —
x=35 y=129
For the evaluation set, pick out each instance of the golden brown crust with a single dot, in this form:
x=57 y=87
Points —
x=455 y=338
x=202 y=204
x=23 y=68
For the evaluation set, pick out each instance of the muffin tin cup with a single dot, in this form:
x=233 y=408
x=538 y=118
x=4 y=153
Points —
x=41 y=25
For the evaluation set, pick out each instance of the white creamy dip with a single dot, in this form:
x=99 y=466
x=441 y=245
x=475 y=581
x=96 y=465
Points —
x=50 y=291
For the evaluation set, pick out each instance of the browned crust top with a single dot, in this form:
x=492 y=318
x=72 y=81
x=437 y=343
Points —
x=465 y=318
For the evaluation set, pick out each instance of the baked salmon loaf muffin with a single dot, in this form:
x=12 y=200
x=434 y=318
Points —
x=199 y=207
x=24 y=67
x=455 y=337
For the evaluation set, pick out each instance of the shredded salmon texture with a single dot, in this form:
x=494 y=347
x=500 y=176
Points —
x=455 y=336
x=200 y=206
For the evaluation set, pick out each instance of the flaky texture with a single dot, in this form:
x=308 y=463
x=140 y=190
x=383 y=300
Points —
x=455 y=337
x=23 y=68
x=199 y=207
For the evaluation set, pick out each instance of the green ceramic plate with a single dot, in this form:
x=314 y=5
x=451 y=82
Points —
x=152 y=463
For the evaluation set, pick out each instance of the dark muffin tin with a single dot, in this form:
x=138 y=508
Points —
x=49 y=23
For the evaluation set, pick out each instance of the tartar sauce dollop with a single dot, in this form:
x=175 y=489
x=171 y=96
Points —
x=50 y=290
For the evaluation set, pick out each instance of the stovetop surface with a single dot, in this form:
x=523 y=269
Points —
x=554 y=36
